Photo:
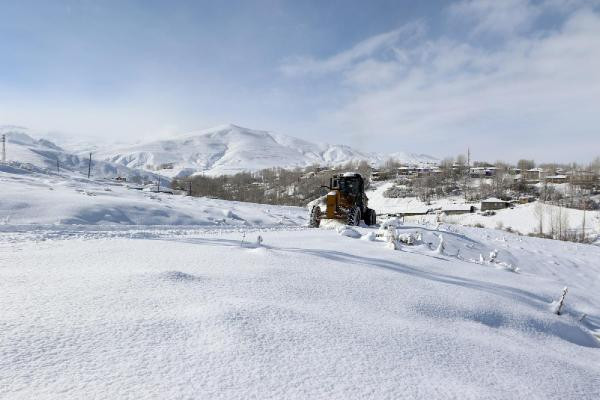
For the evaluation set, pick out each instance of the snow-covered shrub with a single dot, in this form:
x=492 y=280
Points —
x=391 y=222
x=557 y=305
x=441 y=246
x=493 y=260
x=391 y=237
x=410 y=238
x=394 y=192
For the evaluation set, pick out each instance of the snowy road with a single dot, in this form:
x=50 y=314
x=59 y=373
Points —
x=193 y=313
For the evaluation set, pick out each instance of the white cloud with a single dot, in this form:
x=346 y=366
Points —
x=366 y=48
x=530 y=95
x=503 y=17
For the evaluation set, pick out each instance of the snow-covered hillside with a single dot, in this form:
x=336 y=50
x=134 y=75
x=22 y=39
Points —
x=39 y=198
x=523 y=218
x=230 y=149
x=22 y=148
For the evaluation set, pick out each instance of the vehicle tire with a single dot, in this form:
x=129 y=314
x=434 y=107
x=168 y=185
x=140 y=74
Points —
x=373 y=217
x=367 y=216
x=354 y=216
x=315 y=217
x=370 y=216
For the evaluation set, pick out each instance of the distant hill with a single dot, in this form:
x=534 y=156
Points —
x=23 y=148
x=230 y=149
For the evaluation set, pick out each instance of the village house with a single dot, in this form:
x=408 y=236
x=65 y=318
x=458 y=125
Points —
x=494 y=204
x=424 y=171
x=585 y=179
x=405 y=171
x=556 y=179
x=456 y=209
x=477 y=172
x=533 y=175
x=526 y=199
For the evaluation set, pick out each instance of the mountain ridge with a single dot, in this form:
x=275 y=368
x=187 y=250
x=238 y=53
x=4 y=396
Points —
x=228 y=149
x=221 y=150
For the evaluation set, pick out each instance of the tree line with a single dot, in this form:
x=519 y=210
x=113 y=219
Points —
x=278 y=186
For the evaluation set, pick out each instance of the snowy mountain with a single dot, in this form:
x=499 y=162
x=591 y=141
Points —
x=42 y=154
x=230 y=149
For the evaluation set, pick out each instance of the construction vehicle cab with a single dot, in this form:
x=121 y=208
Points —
x=346 y=201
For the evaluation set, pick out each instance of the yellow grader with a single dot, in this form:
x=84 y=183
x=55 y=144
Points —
x=345 y=202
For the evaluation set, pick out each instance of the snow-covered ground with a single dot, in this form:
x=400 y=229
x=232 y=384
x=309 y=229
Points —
x=308 y=314
x=522 y=218
x=110 y=292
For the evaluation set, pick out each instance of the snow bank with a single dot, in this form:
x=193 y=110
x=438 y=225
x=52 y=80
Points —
x=349 y=232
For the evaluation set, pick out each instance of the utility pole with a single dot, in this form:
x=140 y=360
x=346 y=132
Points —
x=468 y=157
x=90 y=166
x=158 y=186
x=3 y=148
x=57 y=167
x=190 y=188
x=468 y=174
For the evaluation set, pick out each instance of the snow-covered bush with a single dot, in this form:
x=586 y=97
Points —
x=410 y=238
x=493 y=260
x=441 y=246
x=557 y=305
x=394 y=192
x=493 y=255
x=390 y=222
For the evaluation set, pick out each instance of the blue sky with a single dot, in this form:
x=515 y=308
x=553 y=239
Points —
x=508 y=78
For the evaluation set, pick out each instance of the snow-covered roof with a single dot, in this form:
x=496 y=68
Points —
x=557 y=177
x=457 y=207
x=493 y=200
x=350 y=174
x=415 y=210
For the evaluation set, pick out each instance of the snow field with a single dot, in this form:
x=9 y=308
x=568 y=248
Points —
x=307 y=314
